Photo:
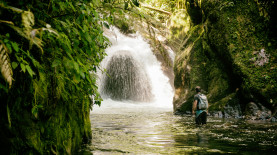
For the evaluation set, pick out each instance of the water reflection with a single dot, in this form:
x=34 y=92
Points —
x=163 y=133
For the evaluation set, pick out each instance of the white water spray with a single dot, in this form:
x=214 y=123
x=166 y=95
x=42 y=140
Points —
x=140 y=50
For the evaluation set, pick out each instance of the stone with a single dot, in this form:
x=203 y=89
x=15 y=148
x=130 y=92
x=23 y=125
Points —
x=257 y=111
x=232 y=111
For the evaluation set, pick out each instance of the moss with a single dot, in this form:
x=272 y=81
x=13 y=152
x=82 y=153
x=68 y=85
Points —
x=220 y=104
x=234 y=32
x=60 y=129
x=246 y=33
x=180 y=25
x=124 y=26
x=197 y=65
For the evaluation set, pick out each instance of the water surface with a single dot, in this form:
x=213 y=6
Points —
x=148 y=130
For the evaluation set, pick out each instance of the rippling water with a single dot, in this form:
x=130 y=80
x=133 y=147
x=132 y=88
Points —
x=145 y=130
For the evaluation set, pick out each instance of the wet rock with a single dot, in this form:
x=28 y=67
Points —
x=232 y=111
x=218 y=114
x=257 y=111
x=188 y=112
x=273 y=119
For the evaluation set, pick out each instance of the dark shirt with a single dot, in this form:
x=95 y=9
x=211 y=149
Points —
x=196 y=97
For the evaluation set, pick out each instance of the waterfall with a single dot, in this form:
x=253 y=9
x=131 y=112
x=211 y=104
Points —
x=134 y=77
x=126 y=79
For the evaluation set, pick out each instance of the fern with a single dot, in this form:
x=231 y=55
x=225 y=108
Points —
x=28 y=20
x=5 y=65
x=29 y=36
x=25 y=28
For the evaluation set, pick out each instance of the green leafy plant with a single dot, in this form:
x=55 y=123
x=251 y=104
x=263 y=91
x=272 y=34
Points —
x=54 y=50
x=5 y=65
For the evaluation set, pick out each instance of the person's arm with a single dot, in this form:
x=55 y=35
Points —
x=207 y=108
x=194 y=104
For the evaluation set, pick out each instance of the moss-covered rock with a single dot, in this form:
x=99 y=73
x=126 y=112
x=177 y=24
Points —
x=58 y=129
x=196 y=65
x=232 y=52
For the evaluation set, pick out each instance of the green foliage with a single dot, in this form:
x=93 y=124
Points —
x=56 y=76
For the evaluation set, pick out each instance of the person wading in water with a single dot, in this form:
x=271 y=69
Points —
x=200 y=107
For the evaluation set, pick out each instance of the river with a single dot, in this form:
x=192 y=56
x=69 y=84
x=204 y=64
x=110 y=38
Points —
x=140 y=129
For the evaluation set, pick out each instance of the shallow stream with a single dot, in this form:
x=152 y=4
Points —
x=149 y=130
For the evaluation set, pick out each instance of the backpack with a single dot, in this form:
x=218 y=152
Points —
x=203 y=102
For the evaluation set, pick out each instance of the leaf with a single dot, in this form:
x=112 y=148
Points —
x=89 y=79
x=14 y=65
x=76 y=67
x=56 y=63
x=82 y=73
x=28 y=19
x=35 y=110
x=70 y=4
x=23 y=67
x=9 y=47
x=106 y=25
x=6 y=69
x=15 y=46
x=30 y=71
x=9 y=116
x=76 y=78
x=97 y=103
x=36 y=41
x=88 y=37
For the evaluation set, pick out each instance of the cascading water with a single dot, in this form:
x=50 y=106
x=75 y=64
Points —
x=134 y=76
x=126 y=78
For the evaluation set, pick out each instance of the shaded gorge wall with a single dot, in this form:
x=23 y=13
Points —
x=229 y=49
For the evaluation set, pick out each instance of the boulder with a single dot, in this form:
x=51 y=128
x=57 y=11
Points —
x=257 y=111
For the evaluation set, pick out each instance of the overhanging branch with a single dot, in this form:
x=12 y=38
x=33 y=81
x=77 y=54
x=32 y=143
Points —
x=155 y=9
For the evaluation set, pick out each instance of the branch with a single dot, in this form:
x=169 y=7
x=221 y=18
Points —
x=155 y=9
x=7 y=22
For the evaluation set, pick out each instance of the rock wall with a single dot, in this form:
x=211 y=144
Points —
x=58 y=129
x=230 y=51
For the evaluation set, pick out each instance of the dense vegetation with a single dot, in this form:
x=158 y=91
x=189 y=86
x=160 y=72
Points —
x=50 y=52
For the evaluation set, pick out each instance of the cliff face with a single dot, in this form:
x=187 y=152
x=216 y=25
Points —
x=230 y=51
